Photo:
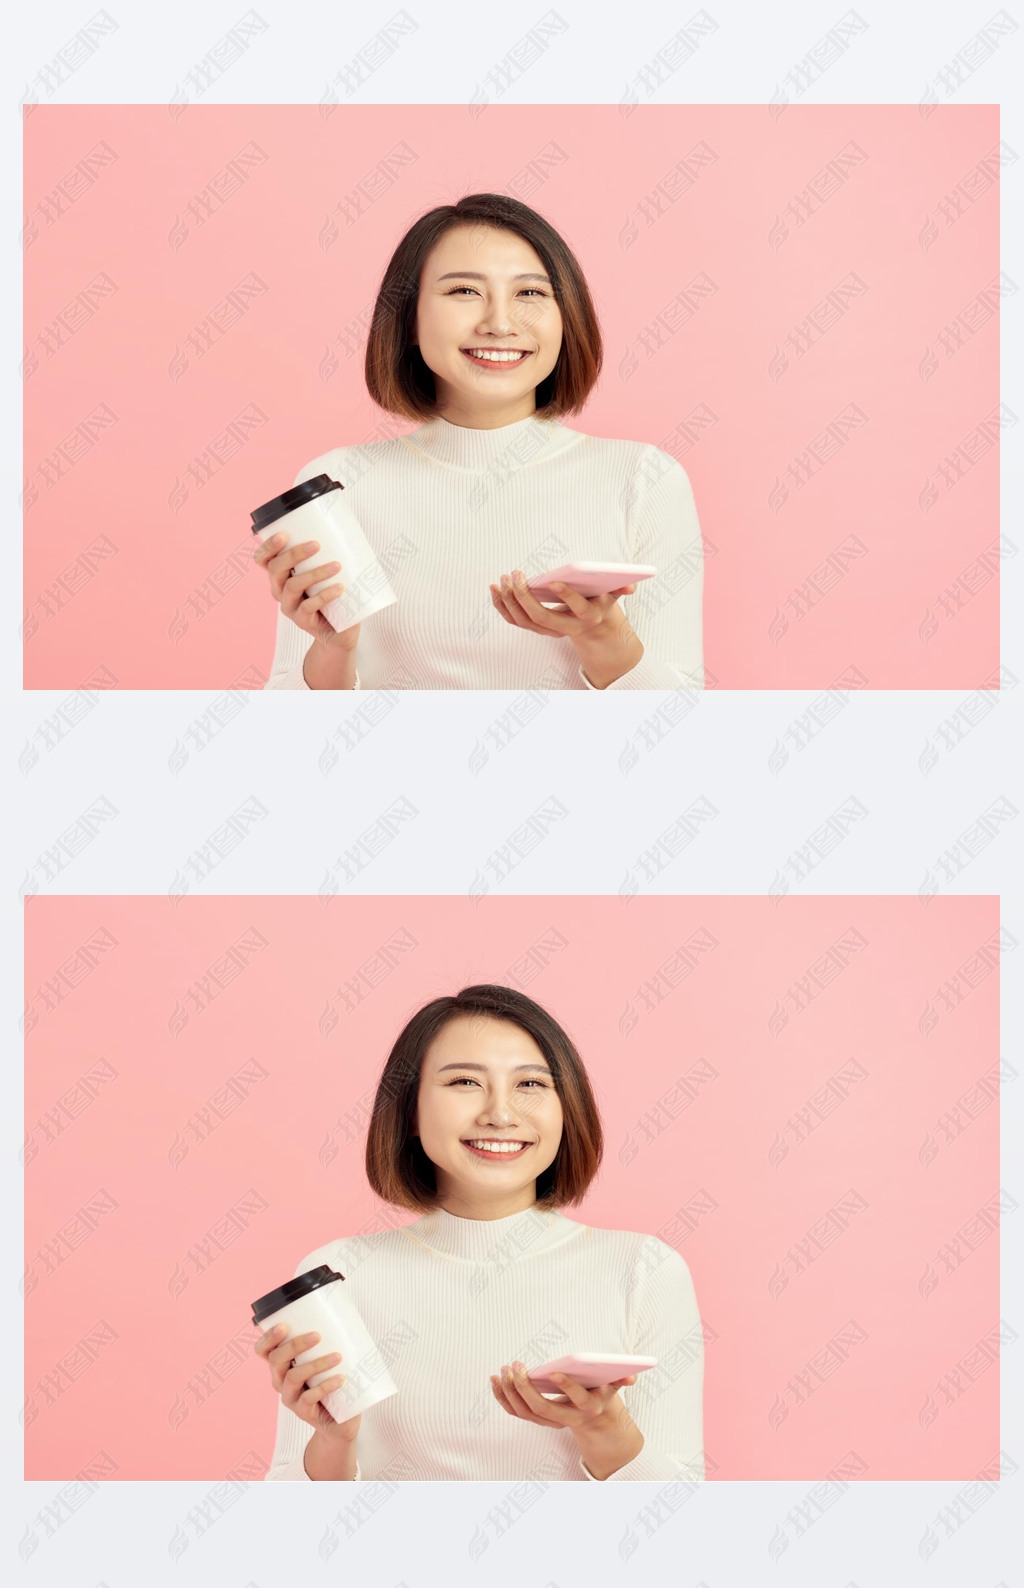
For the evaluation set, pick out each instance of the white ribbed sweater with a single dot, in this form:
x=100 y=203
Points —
x=449 y=509
x=449 y=1300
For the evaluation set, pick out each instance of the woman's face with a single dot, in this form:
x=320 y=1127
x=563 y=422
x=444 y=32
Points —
x=485 y=288
x=486 y=1080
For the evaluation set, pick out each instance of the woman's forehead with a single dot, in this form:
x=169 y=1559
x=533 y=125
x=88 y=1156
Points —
x=482 y=1039
x=491 y=249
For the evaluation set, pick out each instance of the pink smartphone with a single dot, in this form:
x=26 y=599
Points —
x=589 y=578
x=589 y=1368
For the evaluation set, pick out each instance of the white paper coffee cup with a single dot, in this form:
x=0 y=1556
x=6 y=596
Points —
x=318 y=510
x=318 y=1300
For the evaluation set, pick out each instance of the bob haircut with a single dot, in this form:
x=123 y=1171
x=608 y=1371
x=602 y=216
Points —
x=397 y=1167
x=397 y=378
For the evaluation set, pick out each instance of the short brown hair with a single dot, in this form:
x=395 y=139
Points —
x=397 y=378
x=397 y=1167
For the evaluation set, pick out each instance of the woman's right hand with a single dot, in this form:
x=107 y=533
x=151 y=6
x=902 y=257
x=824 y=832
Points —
x=289 y=1381
x=289 y=589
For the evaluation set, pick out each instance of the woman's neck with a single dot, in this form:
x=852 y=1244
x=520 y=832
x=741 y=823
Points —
x=484 y=1211
x=487 y=418
x=481 y=1240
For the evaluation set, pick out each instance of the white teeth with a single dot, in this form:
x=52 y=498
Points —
x=497 y=1146
x=495 y=357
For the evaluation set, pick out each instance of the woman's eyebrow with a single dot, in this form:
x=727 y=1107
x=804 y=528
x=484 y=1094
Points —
x=475 y=275
x=482 y=1067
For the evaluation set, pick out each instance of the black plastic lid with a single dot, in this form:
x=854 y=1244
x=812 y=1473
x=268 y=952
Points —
x=278 y=506
x=274 y=1300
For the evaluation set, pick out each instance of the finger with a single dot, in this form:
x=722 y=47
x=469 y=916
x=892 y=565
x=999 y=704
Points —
x=321 y=1364
x=577 y=604
x=294 y=1385
x=547 y=624
x=297 y=553
x=521 y=618
x=592 y=609
x=620 y=1383
x=569 y=1387
x=527 y=600
x=295 y=588
x=287 y=556
x=302 y=1372
x=509 y=608
x=499 y=604
x=309 y=1398
x=505 y=1402
x=265 y=549
x=528 y=1403
x=504 y=1398
x=316 y=604
x=283 y=1356
x=267 y=1342
x=295 y=1344
x=549 y=620
x=514 y=1401
x=281 y=564
x=306 y=612
x=500 y=1396
x=523 y=1393
x=527 y=1391
x=505 y=607
x=550 y=610
x=587 y=610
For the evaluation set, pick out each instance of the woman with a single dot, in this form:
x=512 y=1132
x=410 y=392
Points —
x=491 y=1269
x=484 y=328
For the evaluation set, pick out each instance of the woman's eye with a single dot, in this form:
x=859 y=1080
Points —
x=535 y=290
x=531 y=1081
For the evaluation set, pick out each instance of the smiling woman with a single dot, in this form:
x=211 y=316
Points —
x=485 y=1123
x=484 y=329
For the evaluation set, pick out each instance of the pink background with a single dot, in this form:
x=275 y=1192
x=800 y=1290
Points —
x=161 y=1011
x=170 y=599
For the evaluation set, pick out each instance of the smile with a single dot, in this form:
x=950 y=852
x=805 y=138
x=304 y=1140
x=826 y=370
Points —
x=493 y=356
x=497 y=1149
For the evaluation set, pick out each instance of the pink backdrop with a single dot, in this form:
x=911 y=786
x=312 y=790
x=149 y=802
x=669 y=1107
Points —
x=803 y=310
x=801 y=1098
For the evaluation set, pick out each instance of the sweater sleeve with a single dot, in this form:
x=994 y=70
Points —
x=666 y=1402
x=292 y=643
x=666 y=612
x=293 y=1435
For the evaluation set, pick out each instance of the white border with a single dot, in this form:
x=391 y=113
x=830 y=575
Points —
x=879 y=1532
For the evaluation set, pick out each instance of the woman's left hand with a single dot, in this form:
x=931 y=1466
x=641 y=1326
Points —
x=578 y=1409
x=579 y=616
x=596 y=626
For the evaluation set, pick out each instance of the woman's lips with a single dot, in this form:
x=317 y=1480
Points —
x=494 y=363
x=480 y=1152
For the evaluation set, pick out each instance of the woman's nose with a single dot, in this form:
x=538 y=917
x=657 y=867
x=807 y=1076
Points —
x=497 y=311
x=500 y=1113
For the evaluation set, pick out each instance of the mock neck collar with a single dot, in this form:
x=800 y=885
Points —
x=460 y=447
x=478 y=1240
